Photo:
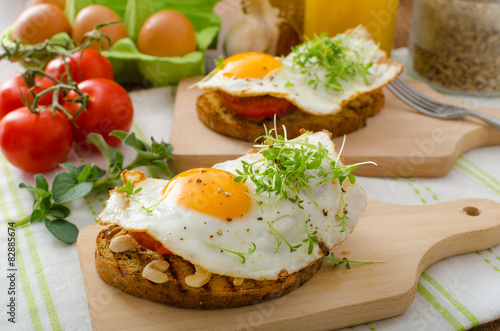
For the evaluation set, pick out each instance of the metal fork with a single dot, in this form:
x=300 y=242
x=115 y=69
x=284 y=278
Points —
x=427 y=106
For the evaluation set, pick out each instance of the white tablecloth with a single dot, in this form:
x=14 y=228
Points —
x=453 y=294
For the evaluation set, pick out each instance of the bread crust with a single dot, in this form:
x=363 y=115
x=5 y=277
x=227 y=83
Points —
x=124 y=271
x=215 y=114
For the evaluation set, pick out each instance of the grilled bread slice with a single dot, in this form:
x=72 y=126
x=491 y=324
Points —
x=124 y=271
x=215 y=114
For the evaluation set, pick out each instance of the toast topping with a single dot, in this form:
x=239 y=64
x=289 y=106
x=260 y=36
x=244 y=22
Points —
x=238 y=281
x=122 y=244
x=155 y=271
x=200 y=277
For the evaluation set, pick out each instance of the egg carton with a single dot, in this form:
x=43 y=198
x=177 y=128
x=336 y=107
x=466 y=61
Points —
x=133 y=67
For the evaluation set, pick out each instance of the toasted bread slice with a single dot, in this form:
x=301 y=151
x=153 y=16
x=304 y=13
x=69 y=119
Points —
x=124 y=271
x=214 y=113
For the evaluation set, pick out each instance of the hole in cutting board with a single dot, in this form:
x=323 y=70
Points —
x=471 y=211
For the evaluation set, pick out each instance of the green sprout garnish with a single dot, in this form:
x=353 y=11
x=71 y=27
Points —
x=333 y=55
x=131 y=193
x=129 y=189
x=335 y=261
x=286 y=171
x=240 y=254
x=311 y=237
x=276 y=234
x=219 y=62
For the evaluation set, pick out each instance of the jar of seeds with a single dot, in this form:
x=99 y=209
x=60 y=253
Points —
x=455 y=45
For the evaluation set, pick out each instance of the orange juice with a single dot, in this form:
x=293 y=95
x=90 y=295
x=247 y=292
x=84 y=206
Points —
x=336 y=16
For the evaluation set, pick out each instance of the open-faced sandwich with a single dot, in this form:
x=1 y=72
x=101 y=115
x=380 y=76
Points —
x=243 y=232
x=329 y=84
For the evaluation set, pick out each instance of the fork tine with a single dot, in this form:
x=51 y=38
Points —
x=403 y=97
x=416 y=98
x=411 y=96
x=417 y=95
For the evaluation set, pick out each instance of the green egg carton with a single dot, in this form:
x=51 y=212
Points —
x=133 y=67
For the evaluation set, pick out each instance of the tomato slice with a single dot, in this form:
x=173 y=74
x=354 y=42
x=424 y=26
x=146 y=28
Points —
x=145 y=240
x=259 y=107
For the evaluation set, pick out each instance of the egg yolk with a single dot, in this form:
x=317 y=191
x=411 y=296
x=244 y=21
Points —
x=250 y=65
x=209 y=191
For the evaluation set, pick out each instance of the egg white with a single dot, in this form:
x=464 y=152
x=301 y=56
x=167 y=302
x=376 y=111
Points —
x=190 y=234
x=287 y=82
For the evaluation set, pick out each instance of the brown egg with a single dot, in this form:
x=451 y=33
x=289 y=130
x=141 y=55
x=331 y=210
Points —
x=59 y=3
x=93 y=15
x=38 y=23
x=167 y=33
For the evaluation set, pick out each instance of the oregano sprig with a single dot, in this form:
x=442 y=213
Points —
x=77 y=182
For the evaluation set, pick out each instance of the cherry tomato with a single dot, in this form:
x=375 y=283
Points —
x=15 y=89
x=146 y=241
x=57 y=69
x=91 y=64
x=109 y=108
x=35 y=142
x=257 y=108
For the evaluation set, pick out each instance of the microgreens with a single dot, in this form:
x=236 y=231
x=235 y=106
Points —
x=311 y=238
x=219 y=62
x=333 y=55
x=129 y=189
x=241 y=255
x=291 y=167
x=335 y=261
x=78 y=182
x=276 y=234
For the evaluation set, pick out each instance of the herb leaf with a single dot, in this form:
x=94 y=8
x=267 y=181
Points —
x=63 y=230
x=78 y=182
x=335 y=261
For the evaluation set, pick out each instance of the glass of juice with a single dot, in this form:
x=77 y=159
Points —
x=336 y=16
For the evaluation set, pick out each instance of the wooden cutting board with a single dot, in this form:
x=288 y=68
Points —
x=407 y=238
x=400 y=140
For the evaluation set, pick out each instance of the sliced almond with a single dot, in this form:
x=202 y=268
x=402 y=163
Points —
x=155 y=271
x=238 y=281
x=122 y=243
x=200 y=277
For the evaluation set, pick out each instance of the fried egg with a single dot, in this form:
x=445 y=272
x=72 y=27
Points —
x=255 y=74
x=225 y=227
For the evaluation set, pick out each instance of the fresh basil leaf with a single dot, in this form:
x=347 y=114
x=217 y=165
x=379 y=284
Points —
x=35 y=192
x=58 y=211
x=36 y=216
x=85 y=173
x=120 y=134
x=63 y=230
x=98 y=141
x=133 y=142
x=65 y=187
x=71 y=168
x=41 y=182
x=44 y=204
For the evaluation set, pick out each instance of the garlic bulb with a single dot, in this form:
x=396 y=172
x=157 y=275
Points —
x=257 y=31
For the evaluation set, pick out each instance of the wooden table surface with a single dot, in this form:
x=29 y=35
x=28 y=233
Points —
x=9 y=10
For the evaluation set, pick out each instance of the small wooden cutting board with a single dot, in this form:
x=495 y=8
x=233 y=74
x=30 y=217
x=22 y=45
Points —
x=407 y=238
x=400 y=140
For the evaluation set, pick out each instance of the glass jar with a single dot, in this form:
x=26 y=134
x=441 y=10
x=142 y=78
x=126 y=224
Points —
x=455 y=45
x=336 y=16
